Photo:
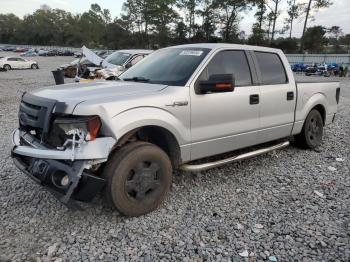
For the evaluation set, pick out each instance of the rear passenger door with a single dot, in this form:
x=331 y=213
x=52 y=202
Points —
x=222 y=122
x=12 y=61
x=277 y=97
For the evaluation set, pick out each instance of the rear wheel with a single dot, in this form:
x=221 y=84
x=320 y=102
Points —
x=138 y=178
x=7 y=67
x=312 y=132
x=34 y=66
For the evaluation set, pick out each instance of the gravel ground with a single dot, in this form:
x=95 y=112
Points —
x=290 y=205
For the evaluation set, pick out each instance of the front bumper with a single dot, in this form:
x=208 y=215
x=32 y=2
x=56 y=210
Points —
x=49 y=167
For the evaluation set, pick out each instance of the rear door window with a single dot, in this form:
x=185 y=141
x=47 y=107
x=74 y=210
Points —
x=271 y=68
x=230 y=62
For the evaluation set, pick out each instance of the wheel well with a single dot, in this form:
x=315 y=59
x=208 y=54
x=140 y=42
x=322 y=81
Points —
x=156 y=135
x=320 y=108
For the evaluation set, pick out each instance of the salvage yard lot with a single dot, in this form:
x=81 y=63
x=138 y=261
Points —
x=292 y=204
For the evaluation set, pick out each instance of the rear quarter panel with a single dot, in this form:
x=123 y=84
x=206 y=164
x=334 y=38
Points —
x=312 y=94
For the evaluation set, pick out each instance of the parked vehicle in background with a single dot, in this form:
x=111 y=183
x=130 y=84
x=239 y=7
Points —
x=334 y=69
x=9 y=63
x=67 y=53
x=53 y=53
x=120 y=61
x=42 y=52
x=21 y=49
x=9 y=48
x=125 y=58
x=179 y=104
x=29 y=53
x=300 y=67
x=318 y=70
x=78 y=54
x=104 y=53
x=92 y=64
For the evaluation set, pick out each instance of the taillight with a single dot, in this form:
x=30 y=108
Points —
x=337 y=94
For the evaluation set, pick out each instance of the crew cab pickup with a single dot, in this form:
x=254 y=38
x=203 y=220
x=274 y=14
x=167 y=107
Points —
x=179 y=104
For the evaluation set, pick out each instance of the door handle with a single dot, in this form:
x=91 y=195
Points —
x=290 y=95
x=179 y=103
x=254 y=99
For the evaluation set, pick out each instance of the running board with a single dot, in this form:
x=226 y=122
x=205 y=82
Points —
x=206 y=166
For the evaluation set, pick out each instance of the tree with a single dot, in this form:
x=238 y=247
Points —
x=314 y=39
x=288 y=45
x=228 y=11
x=180 y=33
x=162 y=16
x=294 y=11
x=345 y=40
x=275 y=13
x=138 y=15
x=260 y=14
x=312 y=5
x=9 y=26
x=189 y=6
x=258 y=36
x=209 y=18
x=335 y=32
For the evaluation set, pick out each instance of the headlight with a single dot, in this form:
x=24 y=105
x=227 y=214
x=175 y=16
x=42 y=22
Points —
x=90 y=126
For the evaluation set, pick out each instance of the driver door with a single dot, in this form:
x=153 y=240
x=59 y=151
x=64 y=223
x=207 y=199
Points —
x=23 y=64
x=222 y=122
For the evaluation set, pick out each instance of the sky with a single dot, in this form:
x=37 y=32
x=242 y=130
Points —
x=337 y=14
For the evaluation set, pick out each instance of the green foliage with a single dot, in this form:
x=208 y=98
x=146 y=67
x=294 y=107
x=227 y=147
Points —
x=288 y=45
x=9 y=26
x=159 y=23
x=229 y=15
x=314 y=39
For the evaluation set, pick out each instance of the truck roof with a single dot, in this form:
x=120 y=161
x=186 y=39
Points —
x=226 y=45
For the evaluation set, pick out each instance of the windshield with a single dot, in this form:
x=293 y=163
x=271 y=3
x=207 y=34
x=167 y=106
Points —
x=170 y=66
x=118 y=58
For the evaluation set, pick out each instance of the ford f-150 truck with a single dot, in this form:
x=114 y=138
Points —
x=183 y=103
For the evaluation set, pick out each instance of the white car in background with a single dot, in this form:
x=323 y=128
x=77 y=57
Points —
x=9 y=63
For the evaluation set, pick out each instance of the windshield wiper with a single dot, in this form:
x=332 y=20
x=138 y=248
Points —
x=137 y=79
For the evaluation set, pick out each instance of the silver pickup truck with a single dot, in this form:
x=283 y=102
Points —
x=178 y=105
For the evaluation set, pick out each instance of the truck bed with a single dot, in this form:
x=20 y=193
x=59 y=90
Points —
x=314 y=79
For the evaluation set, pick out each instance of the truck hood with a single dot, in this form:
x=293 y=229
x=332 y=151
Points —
x=73 y=94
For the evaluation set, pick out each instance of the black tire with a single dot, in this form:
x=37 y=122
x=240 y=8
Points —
x=139 y=176
x=312 y=132
x=34 y=66
x=7 y=67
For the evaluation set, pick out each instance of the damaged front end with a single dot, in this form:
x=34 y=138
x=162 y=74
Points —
x=61 y=152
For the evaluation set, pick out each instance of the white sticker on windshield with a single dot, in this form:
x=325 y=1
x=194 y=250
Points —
x=192 y=52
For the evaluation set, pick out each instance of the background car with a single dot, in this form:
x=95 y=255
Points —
x=300 y=67
x=29 y=53
x=9 y=48
x=9 y=63
x=125 y=58
x=21 y=50
x=67 y=53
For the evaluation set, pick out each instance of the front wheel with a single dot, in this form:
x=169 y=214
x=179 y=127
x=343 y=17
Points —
x=34 y=66
x=312 y=132
x=139 y=177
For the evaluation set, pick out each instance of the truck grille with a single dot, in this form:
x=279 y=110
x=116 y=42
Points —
x=35 y=112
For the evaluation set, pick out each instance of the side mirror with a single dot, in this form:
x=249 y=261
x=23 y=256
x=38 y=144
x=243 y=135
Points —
x=216 y=84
